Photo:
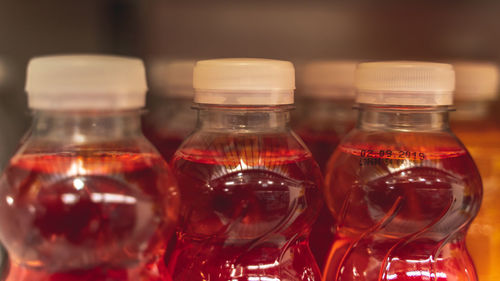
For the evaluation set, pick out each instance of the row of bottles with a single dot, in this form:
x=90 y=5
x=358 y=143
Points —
x=87 y=197
x=476 y=126
x=324 y=116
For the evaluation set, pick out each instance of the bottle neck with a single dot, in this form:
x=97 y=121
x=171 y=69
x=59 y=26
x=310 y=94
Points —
x=166 y=101
x=329 y=109
x=243 y=119
x=86 y=126
x=412 y=118
x=471 y=110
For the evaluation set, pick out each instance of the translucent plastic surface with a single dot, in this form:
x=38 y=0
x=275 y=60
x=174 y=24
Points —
x=322 y=125
x=402 y=201
x=87 y=197
x=249 y=198
x=482 y=138
x=322 y=143
x=85 y=217
x=168 y=123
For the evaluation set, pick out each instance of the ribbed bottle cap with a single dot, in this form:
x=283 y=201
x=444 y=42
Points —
x=476 y=80
x=332 y=79
x=244 y=81
x=86 y=82
x=405 y=83
x=173 y=78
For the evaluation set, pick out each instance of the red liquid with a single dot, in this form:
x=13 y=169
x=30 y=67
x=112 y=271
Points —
x=322 y=144
x=399 y=215
x=168 y=123
x=166 y=144
x=96 y=217
x=246 y=213
x=482 y=138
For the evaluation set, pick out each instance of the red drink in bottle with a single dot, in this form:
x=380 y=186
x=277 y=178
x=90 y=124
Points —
x=171 y=118
x=326 y=116
x=249 y=188
x=11 y=124
x=476 y=89
x=326 y=113
x=402 y=188
x=86 y=196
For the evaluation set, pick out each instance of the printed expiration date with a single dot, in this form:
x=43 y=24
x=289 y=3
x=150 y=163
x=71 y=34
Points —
x=375 y=157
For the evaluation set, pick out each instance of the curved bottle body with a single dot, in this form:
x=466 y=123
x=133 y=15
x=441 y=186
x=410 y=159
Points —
x=483 y=237
x=249 y=195
x=403 y=191
x=87 y=197
x=322 y=125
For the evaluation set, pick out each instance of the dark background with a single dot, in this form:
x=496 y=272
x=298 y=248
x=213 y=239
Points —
x=296 y=30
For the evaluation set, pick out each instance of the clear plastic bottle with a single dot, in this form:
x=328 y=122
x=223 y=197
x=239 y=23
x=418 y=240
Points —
x=249 y=187
x=474 y=124
x=11 y=119
x=171 y=118
x=4 y=153
x=5 y=146
x=86 y=196
x=327 y=90
x=402 y=188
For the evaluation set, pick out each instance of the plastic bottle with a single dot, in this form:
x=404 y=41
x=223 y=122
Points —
x=249 y=187
x=327 y=99
x=474 y=124
x=11 y=119
x=86 y=196
x=401 y=186
x=4 y=151
x=5 y=124
x=327 y=115
x=171 y=117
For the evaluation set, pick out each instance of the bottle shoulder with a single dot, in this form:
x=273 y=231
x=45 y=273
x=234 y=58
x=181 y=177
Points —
x=218 y=143
x=391 y=152
x=58 y=155
x=428 y=141
x=282 y=152
x=479 y=133
x=129 y=144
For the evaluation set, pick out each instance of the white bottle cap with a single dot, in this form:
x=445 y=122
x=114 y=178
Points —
x=476 y=81
x=328 y=79
x=405 y=83
x=86 y=82
x=173 y=78
x=243 y=81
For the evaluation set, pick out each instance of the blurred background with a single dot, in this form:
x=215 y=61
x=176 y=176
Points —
x=285 y=29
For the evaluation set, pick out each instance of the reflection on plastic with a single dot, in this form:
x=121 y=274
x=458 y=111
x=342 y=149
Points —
x=248 y=204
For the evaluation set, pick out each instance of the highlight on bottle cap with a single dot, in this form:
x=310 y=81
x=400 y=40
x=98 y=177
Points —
x=244 y=81
x=405 y=83
x=329 y=79
x=173 y=78
x=86 y=82
x=476 y=80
